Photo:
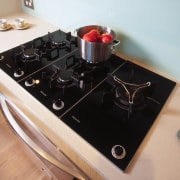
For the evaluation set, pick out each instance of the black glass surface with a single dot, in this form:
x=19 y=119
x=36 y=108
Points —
x=87 y=93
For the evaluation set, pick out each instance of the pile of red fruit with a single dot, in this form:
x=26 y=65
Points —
x=95 y=36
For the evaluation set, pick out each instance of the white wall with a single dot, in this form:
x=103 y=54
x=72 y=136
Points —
x=148 y=30
x=9 y=7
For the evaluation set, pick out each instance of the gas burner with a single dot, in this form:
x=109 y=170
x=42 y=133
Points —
x=63 y=44
x=83 y=71
x=85 y=74
x=130 y=96
x=124 y=99
x=22 y=56
x=30 y=55
x=46 y=48
x=60 y=78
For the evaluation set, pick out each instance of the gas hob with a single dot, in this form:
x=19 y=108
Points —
x=112 y=105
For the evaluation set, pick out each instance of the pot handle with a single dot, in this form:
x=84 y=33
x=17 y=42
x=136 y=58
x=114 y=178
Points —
x=114 y=44
x=75 y=32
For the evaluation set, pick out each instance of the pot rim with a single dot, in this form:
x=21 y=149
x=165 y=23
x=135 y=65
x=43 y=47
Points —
x=86 y=29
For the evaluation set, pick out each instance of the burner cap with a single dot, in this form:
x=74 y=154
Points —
x=65 y=77
x=29 y=53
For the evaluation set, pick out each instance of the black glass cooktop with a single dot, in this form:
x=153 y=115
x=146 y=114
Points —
x=88 y=97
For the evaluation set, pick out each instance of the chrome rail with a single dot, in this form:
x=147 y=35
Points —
x=8 y=107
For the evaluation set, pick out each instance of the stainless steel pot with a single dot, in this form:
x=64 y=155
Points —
x=95 y=52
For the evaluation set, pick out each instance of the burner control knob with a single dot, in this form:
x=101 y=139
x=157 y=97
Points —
x=118 y=151
x=58 y=104
x=29 y=82
x=1 y=57
x=18 y=73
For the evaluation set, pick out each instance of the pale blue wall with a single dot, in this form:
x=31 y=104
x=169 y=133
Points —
x=148 y=29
